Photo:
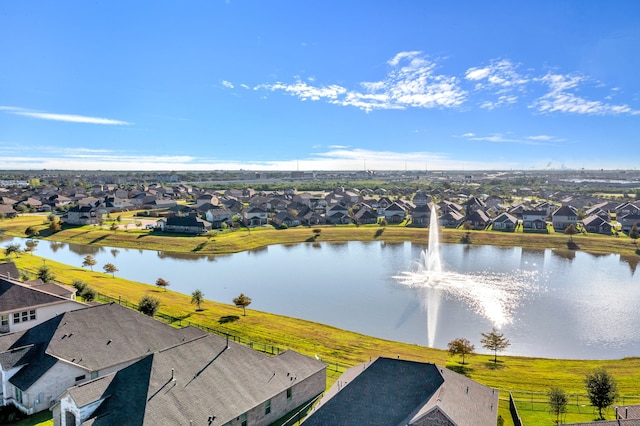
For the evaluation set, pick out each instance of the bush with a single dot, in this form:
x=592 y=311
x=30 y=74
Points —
x=148 y=305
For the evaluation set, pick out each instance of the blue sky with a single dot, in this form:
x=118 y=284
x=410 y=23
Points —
x=319 y=85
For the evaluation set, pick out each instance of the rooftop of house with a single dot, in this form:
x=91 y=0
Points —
x=15 y=295
x=398 y=392
x=193 y=381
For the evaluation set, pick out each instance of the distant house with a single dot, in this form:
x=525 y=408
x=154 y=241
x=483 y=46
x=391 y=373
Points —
x=451 y=219
x=421 y=215
x=365 y=216
x=478 y=219
x=394 y=392
x=83 y=215
x=421 y=198
x=628 y=221
x=255 y=216
x=394 y=213
x=597 y=225
x=185 y=224
x=218 y=215
x=285 y=219
x=563 y=217
x=505 y=222
x=534 y=219
x=7 y=211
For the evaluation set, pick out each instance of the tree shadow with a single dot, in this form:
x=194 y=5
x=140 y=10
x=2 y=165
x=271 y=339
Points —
x=378 y=233
x=494 y=365
x=200 y=246
x=571 y=245
x=96 y=240
x=228 y=318
x=461 y=369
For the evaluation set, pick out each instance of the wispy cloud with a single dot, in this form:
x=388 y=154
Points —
x=70 y=118
x=562 y=98
x=499 y=78
x=510 y=138
x=411 y=82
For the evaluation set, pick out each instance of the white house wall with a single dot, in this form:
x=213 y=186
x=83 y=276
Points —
x=44 y=313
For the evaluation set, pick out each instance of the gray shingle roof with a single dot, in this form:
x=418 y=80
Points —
x=14 y=296
x=210 y=380
x=397 y=392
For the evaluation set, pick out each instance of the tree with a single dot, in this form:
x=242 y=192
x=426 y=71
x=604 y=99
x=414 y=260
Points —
x=110 y=268
x=148 y=305
x=45 y=274
x=55 y=226
x=197 y=297
x=89 y=294
x=161 y=282
x=13 y=248
x=31 y=232
x=570 y=231
x=557 y=402
x=495 y=342
x=89 y=261
x=634 y=234
x=460 y=346
x=114 y=226
x=602 y=389
x=242 y=301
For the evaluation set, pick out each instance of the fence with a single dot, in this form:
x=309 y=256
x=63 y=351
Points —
x=517 y=421
x=181 y=322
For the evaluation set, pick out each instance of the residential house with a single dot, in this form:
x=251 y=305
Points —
x=285 y=219
x=218 y=215
x=472 y=204
x=202 y=381
x=365 y=216
x=627 y=208
x=87 y=214
x=40 y=363
x=394 y=213
x=421 y=198
x=563 y=217
x=394 y=392
x=597 y=225
x=7 y=211
x=534 y=220
x=451 y=219
x=191 y=224
x=207 y=198
x=505 y=222
x=628 y=221
x=23 y=306
x=478 y=219
x=255 y=216
x=421 y=215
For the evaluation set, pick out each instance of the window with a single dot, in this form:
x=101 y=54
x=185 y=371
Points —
x=243 y=419
x=4 y=319
x=18 y=394
x=24 y=316
x=80 y=378
x=289 y=393
x=267 y=407
x=94 y=374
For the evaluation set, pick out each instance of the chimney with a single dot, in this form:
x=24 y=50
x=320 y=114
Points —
x=173 y=376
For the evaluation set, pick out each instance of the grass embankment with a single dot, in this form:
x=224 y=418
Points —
x=529 y=377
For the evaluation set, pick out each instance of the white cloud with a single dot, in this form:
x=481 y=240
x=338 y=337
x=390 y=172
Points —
x=410 y=83
x=499 y=78
x=561 y=98
x=227 y=84
x=500 y=138
x=70 y=118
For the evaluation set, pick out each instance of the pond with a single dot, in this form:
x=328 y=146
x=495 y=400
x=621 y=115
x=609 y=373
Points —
x=560 y=304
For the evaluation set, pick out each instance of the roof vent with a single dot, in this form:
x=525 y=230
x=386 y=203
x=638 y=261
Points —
x=109 y=341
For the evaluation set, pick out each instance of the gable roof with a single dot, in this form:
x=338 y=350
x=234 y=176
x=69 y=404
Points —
x=194 y=380
x=398 y=392
x=14 y=296
x=93 y=338
x=9 y=270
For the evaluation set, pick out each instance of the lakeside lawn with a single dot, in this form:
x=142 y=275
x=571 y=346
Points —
x=529 y=377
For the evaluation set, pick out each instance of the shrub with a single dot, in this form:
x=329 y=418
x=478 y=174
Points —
x=148 y=305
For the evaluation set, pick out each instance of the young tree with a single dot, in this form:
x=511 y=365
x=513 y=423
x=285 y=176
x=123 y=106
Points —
x=89 y=261
x=55 y=226
x=110 y=268
x=88 y=294
x=570 y=231
x=148 y=305
x=13 y=248
x=495 y=342
x=197 y=297
x=161 y=282
x=634 y=234
x=242 y=301
x=460 y=346
x=31 y=232
x=45 y=274
x=557 y=402
x=602 y=389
